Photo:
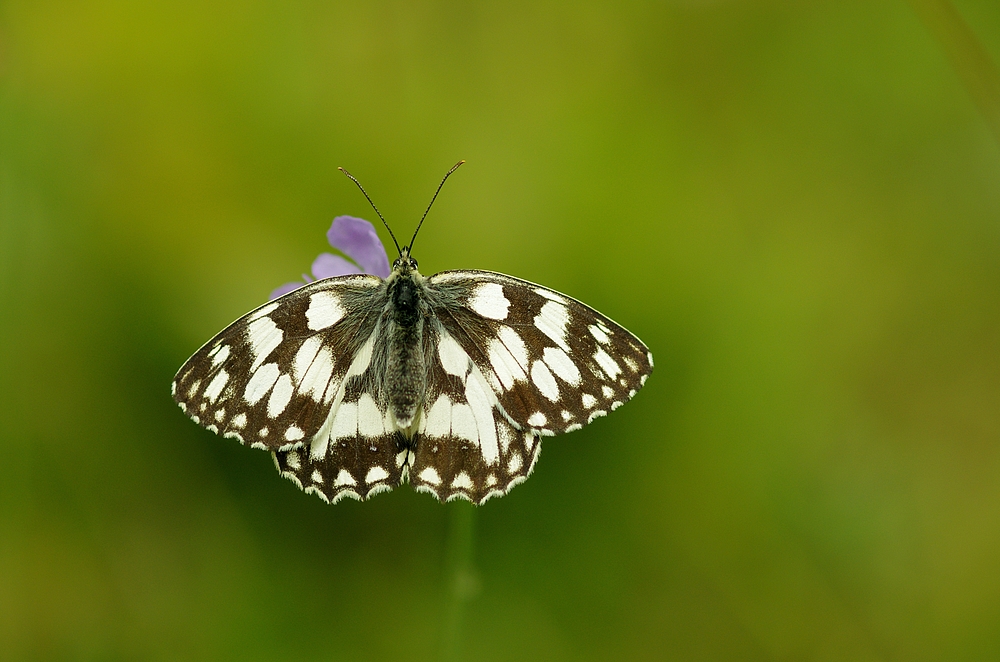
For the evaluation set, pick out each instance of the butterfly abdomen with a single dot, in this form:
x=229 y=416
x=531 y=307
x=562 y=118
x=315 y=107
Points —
x=406 y=373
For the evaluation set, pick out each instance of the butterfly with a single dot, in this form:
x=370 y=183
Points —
x=357 y=384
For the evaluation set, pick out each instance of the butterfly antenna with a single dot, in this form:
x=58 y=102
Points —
x=353 y=179
x=446 y=175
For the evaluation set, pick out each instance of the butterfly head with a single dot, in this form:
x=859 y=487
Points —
x=404 y=263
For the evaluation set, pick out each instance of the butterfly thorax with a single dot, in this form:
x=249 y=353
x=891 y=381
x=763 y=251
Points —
x=404 y=315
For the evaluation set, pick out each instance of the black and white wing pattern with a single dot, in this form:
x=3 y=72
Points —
x=357 y=384
x=515 y=362
x=294 y=377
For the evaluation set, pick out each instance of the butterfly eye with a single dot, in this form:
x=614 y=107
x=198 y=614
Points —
x=413 y=263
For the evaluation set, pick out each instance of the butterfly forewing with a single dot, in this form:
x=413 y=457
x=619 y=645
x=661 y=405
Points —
x=271 y=378
x=555 y=363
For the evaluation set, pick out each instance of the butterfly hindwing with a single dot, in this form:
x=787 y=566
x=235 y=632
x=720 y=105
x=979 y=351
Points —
x=465 y=445
x=271 y=377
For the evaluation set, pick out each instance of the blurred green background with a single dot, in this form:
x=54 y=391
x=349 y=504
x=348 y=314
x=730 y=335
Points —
x=795 y=205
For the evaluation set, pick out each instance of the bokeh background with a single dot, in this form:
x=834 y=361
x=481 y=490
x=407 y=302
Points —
x=796 y=205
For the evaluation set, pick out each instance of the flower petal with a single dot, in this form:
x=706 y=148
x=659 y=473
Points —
x=284 y=289
x=328 y=266
x=358 y=240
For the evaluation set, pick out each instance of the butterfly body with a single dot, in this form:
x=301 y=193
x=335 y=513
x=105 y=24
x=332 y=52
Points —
x=357 y=383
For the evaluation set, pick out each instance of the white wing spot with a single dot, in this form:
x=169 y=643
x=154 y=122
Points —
x=324 y=310
x=573 y=428
x=552 y=320
x=362 y=359
x=549 y=294
x=344 y=478
x=216 y=385
x=239 y=421
x=562 y=365
x=345 y=421
x=608 y=364
x=599 y=334
x=317 y=477
x=264 y=310
x=263 y=432
x=263 y=336
x=515 y=345
x=219 y=415
x=632 y=365
x=219 y=354
x=504 y=434
x=481 y=399
x=305 y=356
x=454 y=360
x=505 y=367
x=544 y=380
x=462 y=481
x=589 y=401
x=280 y=396
x=491 y=480
x=318 y=375
x=607 y=391
x=261 y=383
x=463 y=423
x=194 y=388
x=566 y=416
x=649 y=357
x=294 y=434
x=369 y=417
x=292 y=459
x=537 y=419
x=529 y=440
x=615 y=405
x=376 y=474
x=438 y=420
x=430 y=475
x=515 y=463
x=488 y=300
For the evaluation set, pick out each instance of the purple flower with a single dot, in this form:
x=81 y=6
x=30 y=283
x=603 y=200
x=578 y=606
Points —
x=354 y=237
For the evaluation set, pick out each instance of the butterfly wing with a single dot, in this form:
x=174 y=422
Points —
x=515 y=361
x=288 y=376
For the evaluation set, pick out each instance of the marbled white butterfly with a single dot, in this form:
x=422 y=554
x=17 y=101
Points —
x=357 y=384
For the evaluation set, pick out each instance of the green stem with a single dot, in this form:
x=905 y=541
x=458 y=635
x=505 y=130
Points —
x=461 y=581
